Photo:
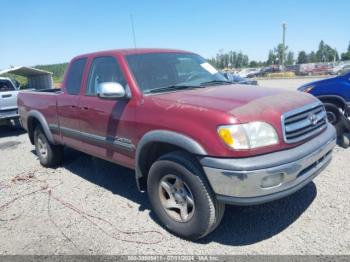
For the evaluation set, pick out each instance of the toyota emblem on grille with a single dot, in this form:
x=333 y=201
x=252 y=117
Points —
x=313 y=119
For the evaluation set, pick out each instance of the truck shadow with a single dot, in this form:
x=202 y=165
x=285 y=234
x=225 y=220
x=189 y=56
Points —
x=114 y=178
x=248 y=225
x=240 y=225
x=9 y=131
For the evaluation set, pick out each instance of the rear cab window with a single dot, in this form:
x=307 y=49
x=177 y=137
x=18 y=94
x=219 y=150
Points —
x=75 y=76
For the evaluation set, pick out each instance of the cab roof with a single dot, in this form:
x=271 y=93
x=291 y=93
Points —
x=132 y=51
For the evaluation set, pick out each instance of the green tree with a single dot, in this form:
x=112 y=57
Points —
x=275 y=55
x=302 y=58
x=290 y=58
x=239 y=61
x=312 y=58
x=212 y=61
x=346 y=56
x=279 y=52
x=229 y=59
x=336 y=55
x=253 y=64
x=272 y=58
x=321 y=52
x=57 y=70
x=245 y=61
x=326 y=53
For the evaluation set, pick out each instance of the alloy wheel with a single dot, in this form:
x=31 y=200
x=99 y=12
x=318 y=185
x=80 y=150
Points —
x=176 y=198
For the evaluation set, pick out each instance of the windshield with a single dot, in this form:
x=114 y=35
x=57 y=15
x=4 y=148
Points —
x=161 y=70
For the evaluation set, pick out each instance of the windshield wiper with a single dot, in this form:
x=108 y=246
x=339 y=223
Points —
x=214 y=82
x=172 y=87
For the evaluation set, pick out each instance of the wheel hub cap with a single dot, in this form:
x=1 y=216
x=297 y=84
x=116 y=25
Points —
x=331 y=117
x=176 y=198
x=42 y=147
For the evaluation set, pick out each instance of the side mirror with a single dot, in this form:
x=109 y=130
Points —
x=110 y=90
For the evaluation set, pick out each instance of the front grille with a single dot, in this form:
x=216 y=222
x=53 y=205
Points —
x=303 y=123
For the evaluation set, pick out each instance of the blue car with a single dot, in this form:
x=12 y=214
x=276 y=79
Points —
x=335 y=95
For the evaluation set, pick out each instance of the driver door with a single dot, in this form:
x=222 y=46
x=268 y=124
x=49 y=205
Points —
x=105 y=123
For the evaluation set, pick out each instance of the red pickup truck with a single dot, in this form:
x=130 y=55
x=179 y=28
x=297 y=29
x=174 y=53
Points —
x=195 y=141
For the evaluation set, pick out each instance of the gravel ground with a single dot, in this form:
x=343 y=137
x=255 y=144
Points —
x=89 y=206
x=291 y=84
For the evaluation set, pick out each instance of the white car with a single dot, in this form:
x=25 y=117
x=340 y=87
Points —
x=247 y=71
x=342 y=67
x=8 y=100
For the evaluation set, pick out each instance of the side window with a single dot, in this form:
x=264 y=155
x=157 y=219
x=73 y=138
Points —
x=104 y=69
x=6 y=85
x=75 y=75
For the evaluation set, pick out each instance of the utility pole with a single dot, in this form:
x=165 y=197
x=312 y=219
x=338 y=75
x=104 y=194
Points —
x=284 y=25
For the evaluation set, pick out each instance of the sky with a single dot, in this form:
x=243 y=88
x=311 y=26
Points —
x=52 y=31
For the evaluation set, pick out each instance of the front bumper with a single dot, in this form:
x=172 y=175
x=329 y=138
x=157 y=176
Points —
x=240 y=181
x=9 y=114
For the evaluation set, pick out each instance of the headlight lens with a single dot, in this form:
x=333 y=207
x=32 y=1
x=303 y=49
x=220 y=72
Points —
x=247 y=136
x=307 y=89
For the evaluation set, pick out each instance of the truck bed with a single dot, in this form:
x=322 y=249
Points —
x=42 y=101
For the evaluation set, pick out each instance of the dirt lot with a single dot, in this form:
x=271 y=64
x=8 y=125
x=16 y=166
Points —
x=291 y=84
x=89 y=206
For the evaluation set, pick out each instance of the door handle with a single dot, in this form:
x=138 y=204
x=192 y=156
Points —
x=85 y=108
x=73 y=106
x=6 y=96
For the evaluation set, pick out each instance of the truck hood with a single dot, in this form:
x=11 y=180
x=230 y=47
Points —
x=244 y=102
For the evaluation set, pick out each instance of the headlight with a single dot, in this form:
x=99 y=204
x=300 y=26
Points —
x=306 y=89
x=247 y=136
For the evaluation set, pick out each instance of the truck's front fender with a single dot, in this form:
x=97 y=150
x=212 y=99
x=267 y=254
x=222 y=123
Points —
x=162 y=136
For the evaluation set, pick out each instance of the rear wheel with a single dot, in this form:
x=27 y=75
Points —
x=181 y=197
x=49 y=154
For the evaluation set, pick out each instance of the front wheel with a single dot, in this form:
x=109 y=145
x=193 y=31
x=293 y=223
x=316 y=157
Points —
x=333 y=113
x=336 y=117
x=181 y=197
x=340 y=122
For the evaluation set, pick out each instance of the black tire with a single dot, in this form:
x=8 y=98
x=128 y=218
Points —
x=336 y=118
x=207 y=211
x=220 y=212
x=333 y=113
x=17 y=124
x=54 y=153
